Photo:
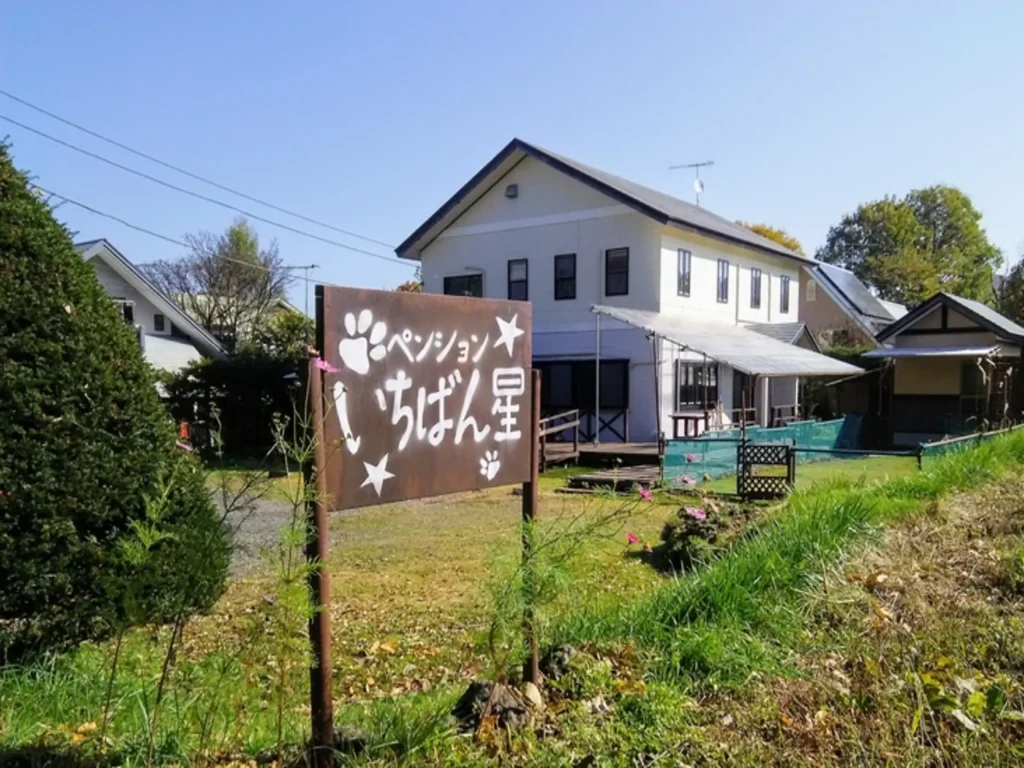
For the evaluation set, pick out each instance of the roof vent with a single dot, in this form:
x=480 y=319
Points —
x=512 y=191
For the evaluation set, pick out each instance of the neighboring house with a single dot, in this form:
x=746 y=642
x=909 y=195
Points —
x=954 y=366
x=170 y=339
x=234 y=323
x=655 y=291
x=840 y=310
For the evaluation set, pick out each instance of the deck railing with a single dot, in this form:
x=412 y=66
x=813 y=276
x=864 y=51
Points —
x=559 y=424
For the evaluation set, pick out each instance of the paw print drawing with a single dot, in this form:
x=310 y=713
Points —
x=489 y=464
x=357 y=352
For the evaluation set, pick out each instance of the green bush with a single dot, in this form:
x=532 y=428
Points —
x=84 y=441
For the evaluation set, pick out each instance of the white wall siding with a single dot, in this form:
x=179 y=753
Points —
x=703 y=298
x=479 y=244
x=117 y=288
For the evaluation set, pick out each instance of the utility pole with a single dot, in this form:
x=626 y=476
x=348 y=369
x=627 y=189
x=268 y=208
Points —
x=306 y=268
x=698 y=185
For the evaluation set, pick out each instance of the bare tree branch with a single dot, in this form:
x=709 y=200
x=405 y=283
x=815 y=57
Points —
x=225 y=282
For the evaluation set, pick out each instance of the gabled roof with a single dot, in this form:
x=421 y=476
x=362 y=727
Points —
x=788 y=333
x=867 y=311
x=102 y=249
x=659 y=206
x=984 y=316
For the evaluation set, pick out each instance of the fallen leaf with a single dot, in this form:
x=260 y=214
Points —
x=964 y=720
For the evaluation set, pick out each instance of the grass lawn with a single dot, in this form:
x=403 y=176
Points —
x=870 y=468
x=817 y=639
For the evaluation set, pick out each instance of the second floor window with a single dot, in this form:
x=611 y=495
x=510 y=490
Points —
x=518 y=272
x=683 y=277
x=565 y=276
x=464 y=285
x=755 y=288
x=723 y=282
x=616 y=272
x=784 y=295
x=158 y=323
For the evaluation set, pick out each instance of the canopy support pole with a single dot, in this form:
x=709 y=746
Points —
x=597 y=383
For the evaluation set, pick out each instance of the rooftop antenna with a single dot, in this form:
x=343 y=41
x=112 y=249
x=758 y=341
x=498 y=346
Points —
x=698 y=185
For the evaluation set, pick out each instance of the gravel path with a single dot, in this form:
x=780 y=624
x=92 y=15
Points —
x=255 y=529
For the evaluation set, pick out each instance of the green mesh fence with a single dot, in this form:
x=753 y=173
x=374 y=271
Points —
x=714 y=454
x=954 y=445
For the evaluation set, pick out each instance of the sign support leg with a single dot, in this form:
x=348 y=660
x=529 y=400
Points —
x=320 y=693
x=531 y=667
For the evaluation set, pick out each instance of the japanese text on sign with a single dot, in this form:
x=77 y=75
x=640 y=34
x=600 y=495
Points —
x=427 y=394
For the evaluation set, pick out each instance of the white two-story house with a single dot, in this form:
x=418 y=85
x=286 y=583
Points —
x=660 y=309
x=170 y=339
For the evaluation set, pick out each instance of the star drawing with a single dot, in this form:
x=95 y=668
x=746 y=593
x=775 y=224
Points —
x=509 y=332
x=376 y=475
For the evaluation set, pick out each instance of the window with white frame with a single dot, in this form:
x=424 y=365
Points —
x=784 y=295
x=755 y=288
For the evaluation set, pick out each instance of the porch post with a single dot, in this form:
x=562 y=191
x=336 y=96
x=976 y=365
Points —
x=597 y=383
x=764 y=401
x=656 y=349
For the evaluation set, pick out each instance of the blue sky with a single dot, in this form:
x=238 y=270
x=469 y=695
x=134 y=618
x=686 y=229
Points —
x=370 y=115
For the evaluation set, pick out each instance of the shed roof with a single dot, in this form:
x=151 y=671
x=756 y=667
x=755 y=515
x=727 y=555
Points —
x=978 y=350
x=738 y=347
x=788 y=333
x=984 y=316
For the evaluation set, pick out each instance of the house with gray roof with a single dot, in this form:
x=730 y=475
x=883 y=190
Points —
x=953 y=365
x=646 y=308
x=169 y=338
x=840 y=310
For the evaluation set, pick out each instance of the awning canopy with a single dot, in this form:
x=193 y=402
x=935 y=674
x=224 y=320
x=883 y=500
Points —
x=747 y=351
x=961 y=351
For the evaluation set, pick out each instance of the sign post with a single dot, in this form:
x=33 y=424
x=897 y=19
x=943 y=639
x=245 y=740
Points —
x=531 y=667
x=427 y=395
x=320 y=689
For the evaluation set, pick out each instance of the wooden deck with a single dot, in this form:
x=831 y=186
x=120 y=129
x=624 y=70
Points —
x=618 y=479
x=603 y=454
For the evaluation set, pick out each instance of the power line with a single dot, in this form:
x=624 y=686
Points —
x=118 y=219
x=137 y=228
x=196 y=176
x=221 y=203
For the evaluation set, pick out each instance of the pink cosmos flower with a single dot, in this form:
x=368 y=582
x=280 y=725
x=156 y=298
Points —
x=631 y=538
x=644 y=493
x=685 y=480
x=324 y=366
x=690 y=458
x=696 y=513
x=183 y=445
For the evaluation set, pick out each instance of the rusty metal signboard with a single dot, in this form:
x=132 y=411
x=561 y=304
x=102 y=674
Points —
x=426 y=394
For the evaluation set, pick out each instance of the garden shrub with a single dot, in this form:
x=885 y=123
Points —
x=84 y=441
x=690 y=537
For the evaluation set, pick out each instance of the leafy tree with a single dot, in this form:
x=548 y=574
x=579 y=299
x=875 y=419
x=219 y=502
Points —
x=85 y=444
x=780 y=236
x=1009 y=293
x=909 y=249
x=285 y=334
x=410 y=286
x=228 y=283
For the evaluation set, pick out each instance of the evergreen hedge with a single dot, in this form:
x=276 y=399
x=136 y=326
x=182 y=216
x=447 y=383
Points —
x=84 y=441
